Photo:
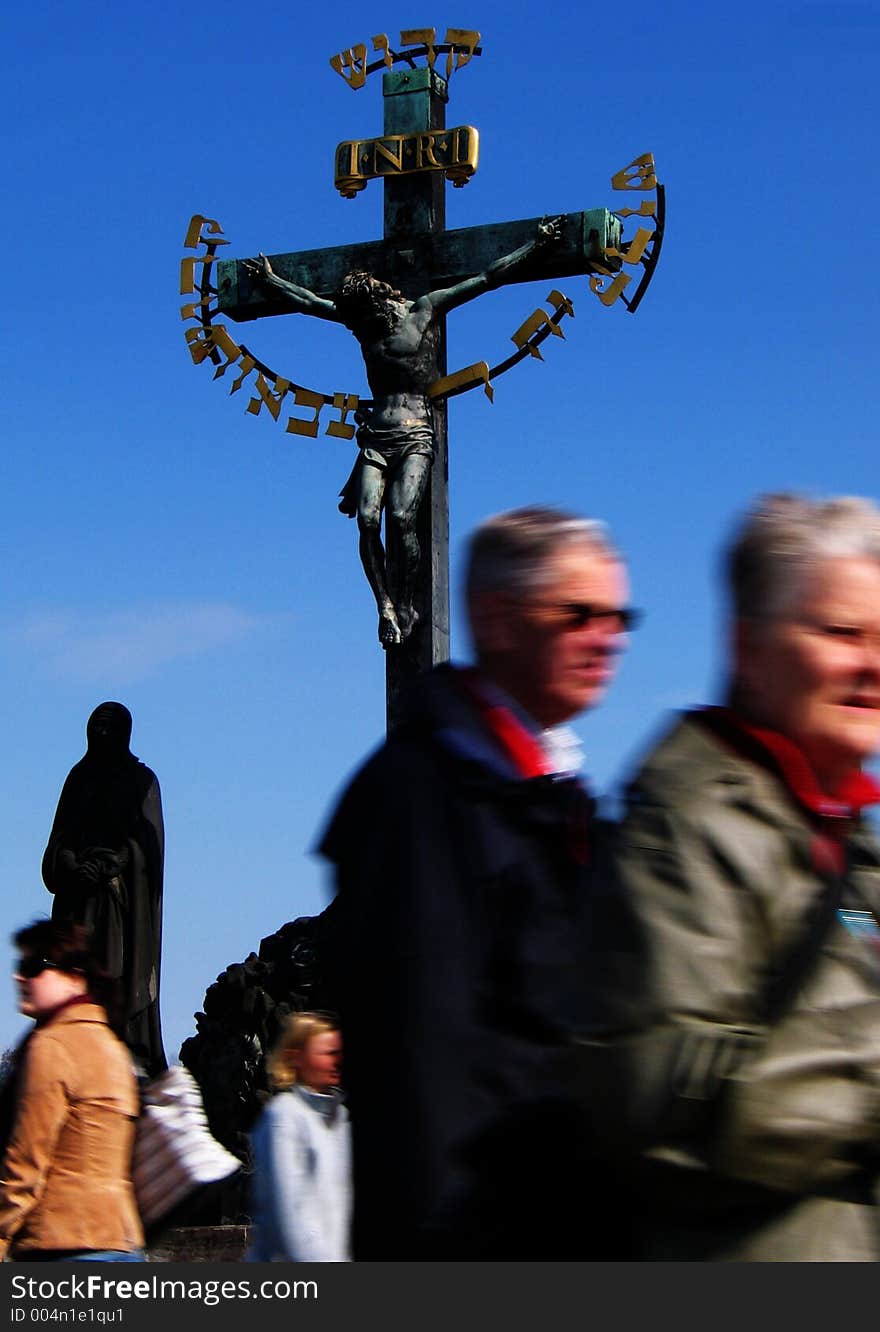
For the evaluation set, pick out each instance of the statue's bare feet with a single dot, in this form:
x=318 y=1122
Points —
x=407 y=618
x=389 y=629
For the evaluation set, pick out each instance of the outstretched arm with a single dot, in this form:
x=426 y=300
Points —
x=448 y=298
x=300 y=299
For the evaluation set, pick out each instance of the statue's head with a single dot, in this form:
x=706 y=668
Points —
x=108 y=730
x=363 y=300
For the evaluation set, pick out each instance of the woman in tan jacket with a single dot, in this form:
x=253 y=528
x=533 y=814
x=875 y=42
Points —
x=65 y=1182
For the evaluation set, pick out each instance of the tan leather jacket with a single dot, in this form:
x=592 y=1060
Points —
x=66 y=1173
x=760 y=1143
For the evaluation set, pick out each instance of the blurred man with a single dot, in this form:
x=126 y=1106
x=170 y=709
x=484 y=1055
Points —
x=460 y=850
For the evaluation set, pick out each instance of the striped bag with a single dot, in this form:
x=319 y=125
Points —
x=174 y=1151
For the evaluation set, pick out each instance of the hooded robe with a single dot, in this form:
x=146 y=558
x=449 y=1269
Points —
x=104 y=864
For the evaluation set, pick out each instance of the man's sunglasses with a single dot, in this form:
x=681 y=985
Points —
x=581 y=614
x=29 y=967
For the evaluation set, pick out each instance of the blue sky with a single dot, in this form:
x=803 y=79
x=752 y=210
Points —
x=165 y=549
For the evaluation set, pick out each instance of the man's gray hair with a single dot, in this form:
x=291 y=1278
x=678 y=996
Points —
x=781 y=541
x=511 y=551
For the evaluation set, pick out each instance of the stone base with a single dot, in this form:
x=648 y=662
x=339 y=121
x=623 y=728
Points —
x=200 y=1244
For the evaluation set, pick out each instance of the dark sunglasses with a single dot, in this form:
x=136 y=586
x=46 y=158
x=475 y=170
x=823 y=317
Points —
x=29 y=967
x=580 y=614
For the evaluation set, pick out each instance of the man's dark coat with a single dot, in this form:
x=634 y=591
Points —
x=453 y=962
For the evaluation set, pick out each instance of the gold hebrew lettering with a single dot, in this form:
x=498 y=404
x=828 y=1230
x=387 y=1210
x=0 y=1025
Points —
x=636 y=248
x=188 y=271
x=355 y=60
x=537 y=320
x=388 y=153
x=225 y=345
x=247 y=365
x=464 y=379
x=639 y=175
x=188 y=276
x=421 y=37
x=266 y=396
x=380 y=43
x=200 y=342
x=609 y=295
x=203 y=342
x=304 y=397
x=647 y=208
x=463 y=39
x=343 y=403
x=194 y=232
x=191 y=311
x=561 y=303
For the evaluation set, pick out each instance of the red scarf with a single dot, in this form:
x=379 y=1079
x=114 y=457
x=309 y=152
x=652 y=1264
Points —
x=526 y=754
x=831 y=814
x=515 y=741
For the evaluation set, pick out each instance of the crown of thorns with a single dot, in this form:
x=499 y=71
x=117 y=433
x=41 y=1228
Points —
x=360 y=286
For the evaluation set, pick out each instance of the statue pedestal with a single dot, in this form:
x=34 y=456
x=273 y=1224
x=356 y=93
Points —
x=200 y=1244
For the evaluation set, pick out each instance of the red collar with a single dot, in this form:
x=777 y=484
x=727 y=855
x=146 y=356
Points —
x=64 y=1005
x=516 y=742
x=777 y=752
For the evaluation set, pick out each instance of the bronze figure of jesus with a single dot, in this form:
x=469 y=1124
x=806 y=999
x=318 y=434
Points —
x=398 y=340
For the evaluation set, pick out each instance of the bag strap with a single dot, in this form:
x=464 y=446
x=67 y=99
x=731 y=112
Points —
x=802 y=955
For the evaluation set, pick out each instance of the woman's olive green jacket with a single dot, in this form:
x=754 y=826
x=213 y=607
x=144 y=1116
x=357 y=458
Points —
x=751 y=1140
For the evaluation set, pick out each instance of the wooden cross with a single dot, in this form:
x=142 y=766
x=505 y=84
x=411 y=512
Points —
x=418 y=255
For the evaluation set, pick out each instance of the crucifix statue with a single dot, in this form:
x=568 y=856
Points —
x=393 y=296
x=398 y=338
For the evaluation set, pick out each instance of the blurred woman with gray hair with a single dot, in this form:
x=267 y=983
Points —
x=736 y=942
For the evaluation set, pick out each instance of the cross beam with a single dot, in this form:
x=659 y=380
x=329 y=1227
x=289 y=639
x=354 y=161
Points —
x=440 y=259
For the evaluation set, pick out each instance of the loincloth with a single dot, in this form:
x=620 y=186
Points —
x=386 y=450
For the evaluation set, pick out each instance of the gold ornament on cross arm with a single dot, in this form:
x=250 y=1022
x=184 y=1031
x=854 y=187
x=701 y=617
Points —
x=644 y=248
